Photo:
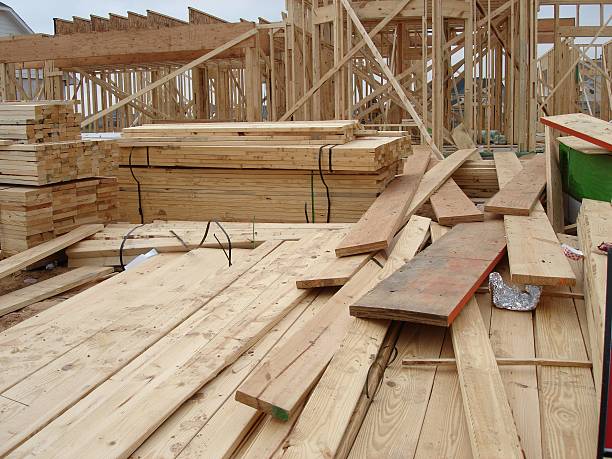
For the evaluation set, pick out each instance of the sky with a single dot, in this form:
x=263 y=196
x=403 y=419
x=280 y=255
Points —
x=39 y=14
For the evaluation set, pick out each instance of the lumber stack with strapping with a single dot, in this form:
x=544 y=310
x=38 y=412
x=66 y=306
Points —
x=273 y=172
x=39 y=122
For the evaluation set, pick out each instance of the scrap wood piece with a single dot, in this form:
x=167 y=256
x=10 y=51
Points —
x=435 y=178
x=519 y=196
x=285 y=378
x=585 y=127
x=534 y=252
x=492 y=429
x=595 y=227
x=50 y=287
x=583 y=146
x=377 y=227
x=176 y=366
x=452 y=206
x=26 y=258
x=332 y=271
x=437 y=283
x=463 y=140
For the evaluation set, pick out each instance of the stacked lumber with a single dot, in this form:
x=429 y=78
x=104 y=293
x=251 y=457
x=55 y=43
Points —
x=55 y=162
x=39 y=122
x=32 y=215
x=51 y=181
x=273 y=172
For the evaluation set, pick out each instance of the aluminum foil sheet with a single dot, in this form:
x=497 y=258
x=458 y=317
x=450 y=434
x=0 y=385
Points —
x=508 y=297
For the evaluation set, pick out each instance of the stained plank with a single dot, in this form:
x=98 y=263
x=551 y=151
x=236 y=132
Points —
x=534 y=252
x=451 y=205
x=50 y=287
x=585 y=127
x=519 y=196
x=437 y=283
x=377 y=227
x=24 y=259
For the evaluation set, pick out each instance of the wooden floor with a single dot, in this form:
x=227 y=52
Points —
x=147 y=363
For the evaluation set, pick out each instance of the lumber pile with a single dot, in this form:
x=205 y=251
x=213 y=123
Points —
x=56 y=162
x=51 y=181
x=39 y=122
x=273 y=172
x=32 y=215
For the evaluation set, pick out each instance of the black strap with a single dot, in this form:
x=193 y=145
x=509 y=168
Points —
x=138 y=187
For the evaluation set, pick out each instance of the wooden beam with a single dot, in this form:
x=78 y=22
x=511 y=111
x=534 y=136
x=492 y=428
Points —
x=170 y=76
x=392 y=79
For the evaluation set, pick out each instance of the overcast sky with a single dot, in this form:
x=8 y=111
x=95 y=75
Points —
x=39 y=14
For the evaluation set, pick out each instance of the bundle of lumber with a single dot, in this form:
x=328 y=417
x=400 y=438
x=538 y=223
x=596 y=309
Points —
x=273 y=172
x=32 y=215
x=38 y=122
x=55 y=162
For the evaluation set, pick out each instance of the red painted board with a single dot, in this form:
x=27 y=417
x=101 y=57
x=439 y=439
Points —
x=585 y=127
x=435 y=285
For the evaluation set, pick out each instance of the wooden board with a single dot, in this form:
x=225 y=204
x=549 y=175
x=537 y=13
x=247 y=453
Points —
x=332 y=271
x=583 y=146
x=284 y=380
x=435 y=178
x=585 y=127
x=30 y=256
x=534 y=252
x=519 y=196
x=491 y=426
x=377 y=227
x=437 y=283
x=50 y=287
x=451 y=205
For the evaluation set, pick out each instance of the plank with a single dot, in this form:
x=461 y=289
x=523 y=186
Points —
x=46 y=249
x=492 y=430
x=285 y=378
x=519 y=196
x=50 y=287
x=554 y=184
x=451 y=205
x=585 y=127
x=183 y=361
x=595 y=227
x=568 y=398
x=392 y=425
x=204 y=408
x=379 y=224
x=109 y=338
x=333 y=271
x=534 y=252
x=435 y=178
x=434 y=286
x=582 y=146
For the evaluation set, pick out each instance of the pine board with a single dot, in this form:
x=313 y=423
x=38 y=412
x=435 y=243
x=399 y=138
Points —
x=451 y=205
x=281 y=385
x=534 y=252
x=46 y=289
x=519 y=195
x=379 y=224
x=30 y=256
